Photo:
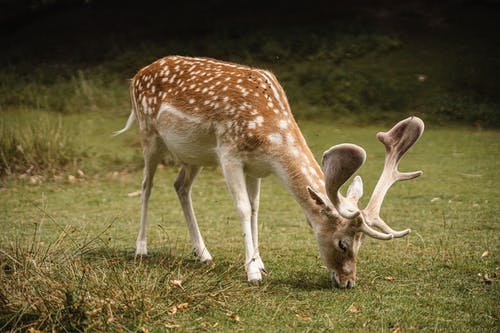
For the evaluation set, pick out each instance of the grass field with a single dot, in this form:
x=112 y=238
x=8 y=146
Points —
x=67 y=244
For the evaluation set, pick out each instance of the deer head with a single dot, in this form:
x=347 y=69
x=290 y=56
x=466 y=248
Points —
x=346 y=225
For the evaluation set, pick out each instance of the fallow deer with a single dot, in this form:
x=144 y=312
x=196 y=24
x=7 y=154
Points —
x=208 y=112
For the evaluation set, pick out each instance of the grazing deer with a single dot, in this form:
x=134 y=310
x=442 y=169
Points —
x=208 y=112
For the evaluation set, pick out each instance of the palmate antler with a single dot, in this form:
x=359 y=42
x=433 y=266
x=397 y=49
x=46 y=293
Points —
x=341 y=161
x=397 y=142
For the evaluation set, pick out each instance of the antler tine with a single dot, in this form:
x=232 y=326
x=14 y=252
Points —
x=397 y=142
x=339 y=163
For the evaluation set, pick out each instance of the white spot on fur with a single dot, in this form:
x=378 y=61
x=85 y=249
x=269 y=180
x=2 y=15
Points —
x=283 y=124
x=275 y=138
x=251 y=125
x=259 y=120
x=192 y=100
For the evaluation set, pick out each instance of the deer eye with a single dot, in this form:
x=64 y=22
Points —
x=342 y=245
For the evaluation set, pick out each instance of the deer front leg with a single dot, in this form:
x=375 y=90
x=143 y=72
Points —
x=253 y=189
x=235 y=180
x=183 y=185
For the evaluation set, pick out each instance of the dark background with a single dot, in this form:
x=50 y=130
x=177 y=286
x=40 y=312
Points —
x=362 y=60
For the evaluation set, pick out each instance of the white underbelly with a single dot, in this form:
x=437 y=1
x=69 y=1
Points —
x=186 y=137
x=193 y=141
x=194 y=148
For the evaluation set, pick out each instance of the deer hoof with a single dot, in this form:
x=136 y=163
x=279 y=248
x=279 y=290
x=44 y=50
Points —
x=254 y=283
x=141 y=248
x=253 y=273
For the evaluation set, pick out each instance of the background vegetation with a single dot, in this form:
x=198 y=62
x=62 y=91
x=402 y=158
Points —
x=349 y=70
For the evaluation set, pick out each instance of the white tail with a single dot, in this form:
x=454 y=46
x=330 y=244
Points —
x=129 y=124
x=208 y=112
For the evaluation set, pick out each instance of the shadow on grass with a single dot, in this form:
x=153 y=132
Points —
x=304 y=280
x=168 y=258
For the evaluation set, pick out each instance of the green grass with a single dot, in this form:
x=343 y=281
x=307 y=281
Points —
x=66 y=248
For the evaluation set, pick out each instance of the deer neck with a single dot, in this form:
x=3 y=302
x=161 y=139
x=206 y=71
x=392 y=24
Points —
x=297 y=169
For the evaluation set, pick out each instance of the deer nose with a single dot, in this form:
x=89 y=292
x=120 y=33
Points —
x=350 y=284
x=343 y=283
x=346 y=284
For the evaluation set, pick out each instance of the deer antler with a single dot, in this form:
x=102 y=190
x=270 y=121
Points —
x=339 y=163
x=397 y=142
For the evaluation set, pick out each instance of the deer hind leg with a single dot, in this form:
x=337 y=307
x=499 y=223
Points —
x=183 y=185
x=235 y=180
x=152 y=156
x=253 y=189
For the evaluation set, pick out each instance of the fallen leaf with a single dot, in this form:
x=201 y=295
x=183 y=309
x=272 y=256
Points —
x=177 y=283
x=485 y=254
x=216 y=324
x=172 y=325
x=182 y=306
x=233 y=315
x=397 y=330
x=389 y=278
x=487 y=279
x=436 y=199
x=174 y=308
x=32 y=330
x=71 y=179
x=80 y=173
x=303 y=316
x=354 y=309
x=143 y=329
x=134 y=194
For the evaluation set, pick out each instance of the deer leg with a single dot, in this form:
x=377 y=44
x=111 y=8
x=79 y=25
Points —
x=183 y=185
x=151 y=159
x=253 y=189
x=235 y=179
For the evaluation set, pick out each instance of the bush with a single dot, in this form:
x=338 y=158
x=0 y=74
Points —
x=77 y=91
x=38 y=141
x=466 y=108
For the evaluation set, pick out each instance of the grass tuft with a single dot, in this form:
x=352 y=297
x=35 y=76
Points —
x=32 y=142
x=77 y=284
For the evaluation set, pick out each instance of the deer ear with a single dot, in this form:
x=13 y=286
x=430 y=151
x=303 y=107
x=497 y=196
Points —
x=355 y=190
x=316 y=197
